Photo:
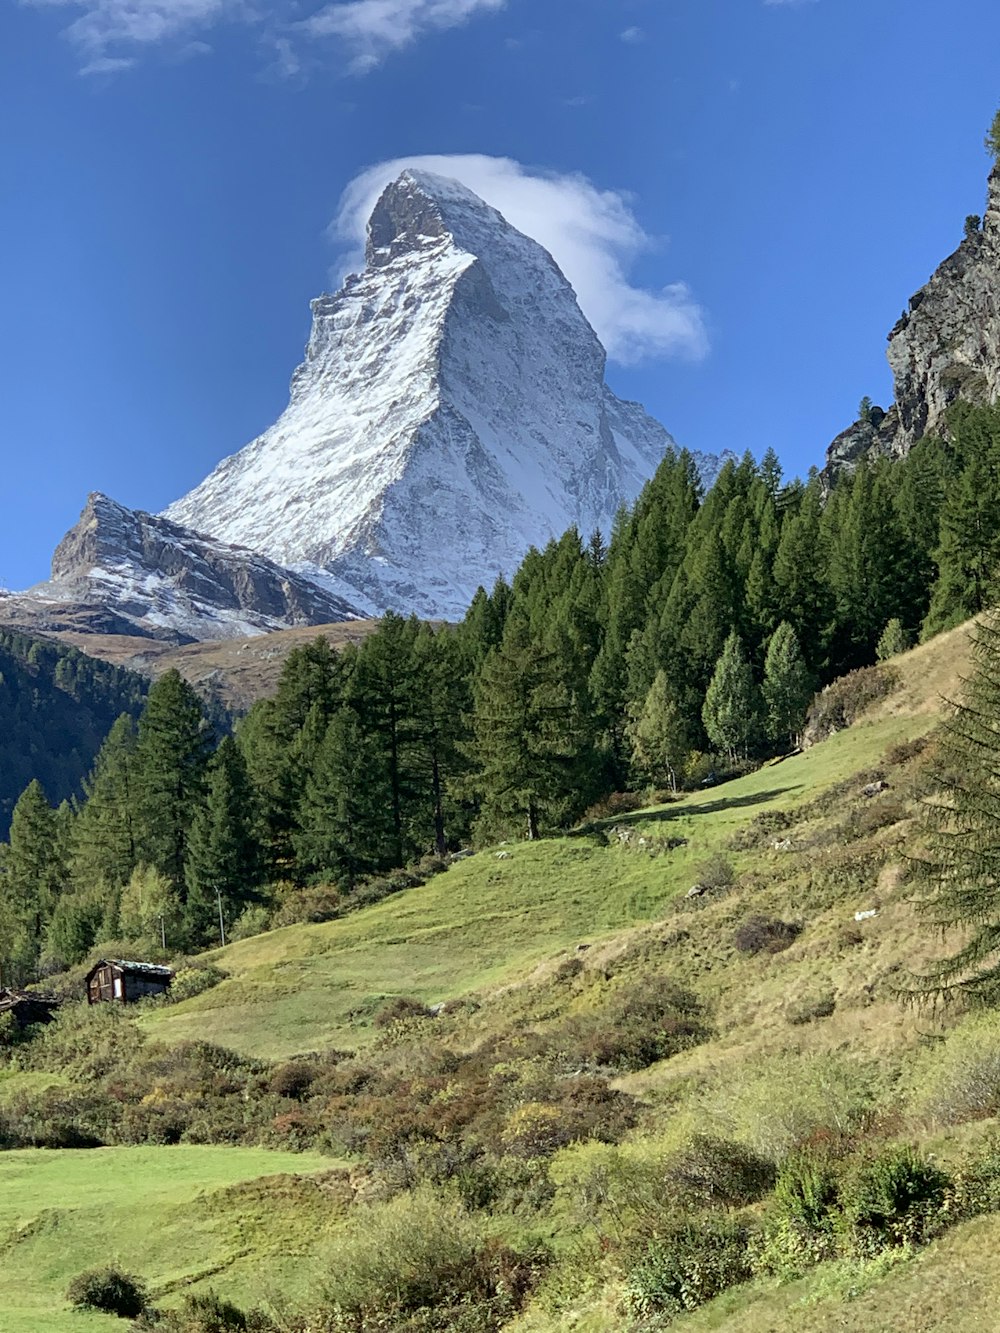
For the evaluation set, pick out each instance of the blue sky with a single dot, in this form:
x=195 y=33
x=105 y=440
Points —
x=749 y=192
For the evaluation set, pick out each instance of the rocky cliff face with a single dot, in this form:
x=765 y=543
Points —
x=451 y=412
x=120 y=571
x=945 y=347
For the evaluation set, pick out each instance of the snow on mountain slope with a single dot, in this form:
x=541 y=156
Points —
x=451 y=412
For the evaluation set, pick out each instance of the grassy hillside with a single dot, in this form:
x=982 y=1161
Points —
x=180 y=1216
x=548 y=954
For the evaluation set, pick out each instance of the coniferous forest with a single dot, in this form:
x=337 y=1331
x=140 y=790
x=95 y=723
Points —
x=685 y=648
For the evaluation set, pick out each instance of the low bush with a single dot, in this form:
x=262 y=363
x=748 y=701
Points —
x=765 y=934
x=711 y=1170
x=399 y=1010
x=109 y=1290
x=194 y=979
x=205 y=1313
x=958 y=1079
x=843 y=702
x=422 y=1262
x=617 y=803
x=891 y=1199
x=648 y=1021
x=688 y=1264
x=298 y=906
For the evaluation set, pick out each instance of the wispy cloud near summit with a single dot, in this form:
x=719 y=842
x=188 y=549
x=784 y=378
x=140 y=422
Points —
x=592 y=234
x=371 y=29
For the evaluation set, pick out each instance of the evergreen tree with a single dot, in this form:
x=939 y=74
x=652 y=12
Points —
x=34 y=874
x=731 y=712
x=222 y=853
x=170 y=761
x=442 y=700
x=74 y=927
x=531 y=741
x=346 y=828
x=659 y=734
x=894 y=641
x=103 y=836
x=788 y=686
x=960 y=869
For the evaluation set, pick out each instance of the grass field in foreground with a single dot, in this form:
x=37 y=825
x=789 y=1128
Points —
x=232 y=1218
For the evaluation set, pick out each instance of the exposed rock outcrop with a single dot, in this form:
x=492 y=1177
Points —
x=120 y=571
x=945 y=347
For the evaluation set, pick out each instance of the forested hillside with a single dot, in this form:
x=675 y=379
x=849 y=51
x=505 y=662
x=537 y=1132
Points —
x=56 y=707
x=686 y=650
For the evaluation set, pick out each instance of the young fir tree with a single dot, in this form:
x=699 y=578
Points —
x=442 y=700
x=171 y=756
x=731 y=712
x=345 y=823
x=894 y=640
x=960 y=868
x=223 y=858
x=788 y=686
x=102 y=843
x=532 y=740
x=659 y=734
x=34 y=874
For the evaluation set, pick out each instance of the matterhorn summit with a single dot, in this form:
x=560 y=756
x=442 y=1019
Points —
x=450 y=413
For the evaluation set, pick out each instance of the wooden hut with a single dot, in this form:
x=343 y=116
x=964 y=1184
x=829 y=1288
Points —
x=122 y=982
x=26 y=1008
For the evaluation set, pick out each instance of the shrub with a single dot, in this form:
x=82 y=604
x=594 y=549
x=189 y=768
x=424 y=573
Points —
x=318 y=902
x=843 y=702
x=711 y=1170
x=959 y=1079
x=108 y=1289
x=782 y=1101
x=890 y=1200
x=716 y=874
x=399 y=1010
x=194 y=979
x=641 y=1024
x=293 y=1079
x=422 y=1253
x=812 y=1008
x=253 y=920
x=205 y=1313
x=765 y=934
x=687 y=1265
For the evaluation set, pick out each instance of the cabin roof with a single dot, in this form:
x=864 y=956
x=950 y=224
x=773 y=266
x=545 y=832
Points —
x=156 y=971
x=9 y=999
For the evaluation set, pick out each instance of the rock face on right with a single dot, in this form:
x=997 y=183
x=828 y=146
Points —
x=944 y=348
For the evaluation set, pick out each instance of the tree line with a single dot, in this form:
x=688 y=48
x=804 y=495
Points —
x=691 y=642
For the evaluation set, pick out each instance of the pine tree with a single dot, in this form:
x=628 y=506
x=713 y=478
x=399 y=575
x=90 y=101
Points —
x=34 y=874
x=731 y=712
x=441 y=703
x=788 y=686
x=345 y=824
x=531 y=739
x=103 y=837
x=894 y=641
x=170 y=761
x=659 y=734
x=223 y=858
x=960 y=869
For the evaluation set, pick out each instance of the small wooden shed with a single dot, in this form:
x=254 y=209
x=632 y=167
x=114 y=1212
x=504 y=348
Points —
x=121 y=981
x=26 y=1008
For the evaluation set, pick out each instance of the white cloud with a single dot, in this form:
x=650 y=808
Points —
x=372 y=29
x=633 y=36
x=593 y=235
x=109 y=34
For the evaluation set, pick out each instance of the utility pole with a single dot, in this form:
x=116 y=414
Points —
x=163 y=934
x=222 y=923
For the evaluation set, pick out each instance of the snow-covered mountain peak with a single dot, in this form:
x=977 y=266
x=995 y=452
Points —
x=451 y=411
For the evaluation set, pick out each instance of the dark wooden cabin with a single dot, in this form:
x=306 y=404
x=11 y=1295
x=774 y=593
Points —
x=26 y=1008
x=122 y=982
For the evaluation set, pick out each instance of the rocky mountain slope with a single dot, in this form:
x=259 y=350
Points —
x=120 y=571
x=946 y=346
x=451 y=412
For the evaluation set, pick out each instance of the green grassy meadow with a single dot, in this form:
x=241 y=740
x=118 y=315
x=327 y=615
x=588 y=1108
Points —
x=797 y=1040
x=238 y=1219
